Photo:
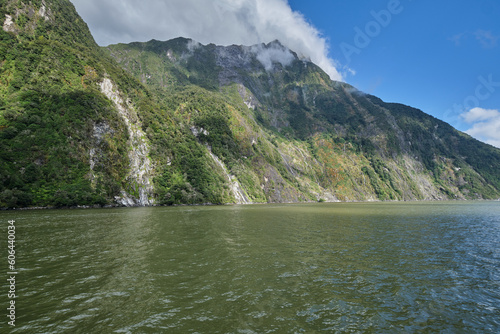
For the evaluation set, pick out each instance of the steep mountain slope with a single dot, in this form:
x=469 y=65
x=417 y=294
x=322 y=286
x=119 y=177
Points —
x=181 y=123
x=68 y=115
x=333 y=141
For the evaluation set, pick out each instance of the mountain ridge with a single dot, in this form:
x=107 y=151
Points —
x=317 y=77
x=177 y=122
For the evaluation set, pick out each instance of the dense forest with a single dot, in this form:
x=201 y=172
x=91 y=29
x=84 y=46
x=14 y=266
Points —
x=178 y=122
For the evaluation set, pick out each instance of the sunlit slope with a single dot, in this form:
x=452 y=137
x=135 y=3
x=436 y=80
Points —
x=327 y=135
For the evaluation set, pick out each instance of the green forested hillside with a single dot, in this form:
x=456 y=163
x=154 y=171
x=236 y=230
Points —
x=50 y=105
x=359 y=147
x=177 y=122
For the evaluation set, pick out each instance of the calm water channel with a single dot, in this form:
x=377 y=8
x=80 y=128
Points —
x=312 y=268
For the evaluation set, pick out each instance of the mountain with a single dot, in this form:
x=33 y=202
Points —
x=178 y=122
x=70 y=131
x=330 y=140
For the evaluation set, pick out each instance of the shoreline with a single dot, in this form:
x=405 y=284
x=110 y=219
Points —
x=117 y=206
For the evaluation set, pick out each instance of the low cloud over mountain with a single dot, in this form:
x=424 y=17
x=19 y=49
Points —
x=221 y=22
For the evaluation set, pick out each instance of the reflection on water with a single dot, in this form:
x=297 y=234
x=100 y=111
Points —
x=432 y=267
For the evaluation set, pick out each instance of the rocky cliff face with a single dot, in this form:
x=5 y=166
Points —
x=178 y=122
x=140 y=169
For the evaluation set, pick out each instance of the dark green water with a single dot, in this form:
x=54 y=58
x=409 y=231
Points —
x=319 y=268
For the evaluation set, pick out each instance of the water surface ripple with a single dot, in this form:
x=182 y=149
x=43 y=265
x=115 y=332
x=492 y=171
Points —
x=312 y=268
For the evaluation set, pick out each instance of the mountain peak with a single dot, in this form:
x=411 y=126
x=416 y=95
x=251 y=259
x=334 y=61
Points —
x=49 y=19
x=273 y=53
x=275 y=43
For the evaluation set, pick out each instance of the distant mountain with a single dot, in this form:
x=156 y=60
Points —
x=178 y=122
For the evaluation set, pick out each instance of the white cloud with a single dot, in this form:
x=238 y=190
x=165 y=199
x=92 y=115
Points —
x=274 y=54
x=485 y=125
x=479 y=114
x=222 y=22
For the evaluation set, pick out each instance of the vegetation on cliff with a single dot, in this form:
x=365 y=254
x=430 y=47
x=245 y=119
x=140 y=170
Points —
x=177 y=122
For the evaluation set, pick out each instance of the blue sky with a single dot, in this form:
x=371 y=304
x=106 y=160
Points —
x=440 y=56
x=428 y=54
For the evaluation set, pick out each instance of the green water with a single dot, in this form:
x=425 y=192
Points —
x=315 y=268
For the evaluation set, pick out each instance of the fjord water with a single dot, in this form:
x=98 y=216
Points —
x=310 y=268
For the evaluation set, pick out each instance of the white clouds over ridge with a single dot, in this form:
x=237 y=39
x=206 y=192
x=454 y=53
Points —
x=222 y=22
x=485 y=125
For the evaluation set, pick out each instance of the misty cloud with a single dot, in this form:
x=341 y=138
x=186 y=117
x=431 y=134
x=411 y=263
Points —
x=222 y=22
x=274 y=54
